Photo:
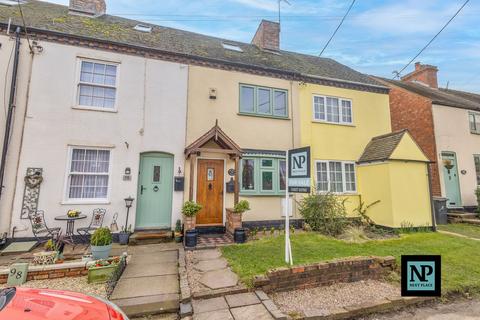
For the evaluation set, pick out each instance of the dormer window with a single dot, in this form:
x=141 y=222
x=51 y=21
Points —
x=231 y=47
x=143 y=28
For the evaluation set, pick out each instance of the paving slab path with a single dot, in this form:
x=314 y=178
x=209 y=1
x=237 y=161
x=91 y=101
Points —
x=240 y=306
x=149 y=284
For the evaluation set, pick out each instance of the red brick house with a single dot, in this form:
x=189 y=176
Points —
x=444 y=122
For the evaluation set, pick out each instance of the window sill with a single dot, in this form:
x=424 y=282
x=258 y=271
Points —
x=86 y=108
x=334 y=123
x=261 y=195
x=84 y=202
x=262 y=116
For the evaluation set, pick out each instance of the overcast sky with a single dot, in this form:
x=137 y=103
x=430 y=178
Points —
x=377 y=38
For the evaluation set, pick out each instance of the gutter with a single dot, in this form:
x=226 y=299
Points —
x=11 y=108
x=292 y=75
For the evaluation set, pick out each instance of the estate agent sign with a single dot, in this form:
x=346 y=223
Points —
x=299 y=180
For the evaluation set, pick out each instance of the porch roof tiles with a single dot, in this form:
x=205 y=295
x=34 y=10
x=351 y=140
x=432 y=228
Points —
x=381 y=148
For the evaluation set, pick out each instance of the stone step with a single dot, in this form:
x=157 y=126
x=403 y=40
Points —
x=149 y=305
x=462 y=215
x=471 y=221
x=151 y=237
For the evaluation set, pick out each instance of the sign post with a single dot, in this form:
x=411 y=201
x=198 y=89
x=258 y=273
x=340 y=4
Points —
x=297 y=181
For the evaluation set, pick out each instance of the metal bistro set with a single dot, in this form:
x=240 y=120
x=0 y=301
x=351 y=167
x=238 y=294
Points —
x=41 y=230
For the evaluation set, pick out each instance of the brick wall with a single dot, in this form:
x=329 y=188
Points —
x=94 y=7
x=51 y=274
x=234 y=221
x=325 y=273
x=267 y=35
x=414 y=112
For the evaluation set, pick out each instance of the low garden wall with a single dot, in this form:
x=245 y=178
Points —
x=54 y=271
x=325 y=273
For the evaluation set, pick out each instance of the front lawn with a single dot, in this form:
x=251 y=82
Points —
x=460 y=257
x=468 y=230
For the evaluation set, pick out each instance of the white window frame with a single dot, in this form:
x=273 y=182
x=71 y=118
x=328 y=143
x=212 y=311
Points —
x=340 y=110
x=343 y=163
x=78 y=82
x=476 y=115
x=66 y=191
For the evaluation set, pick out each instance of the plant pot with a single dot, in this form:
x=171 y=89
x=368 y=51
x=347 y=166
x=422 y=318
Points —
x=100 y=274
x=191 y=238
x=45 y=257
x=101 y=252
x=239 y=235
x=190 y=222
x=178 y=237
x=123 y=237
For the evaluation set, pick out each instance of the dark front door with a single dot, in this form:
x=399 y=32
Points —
x=210 y=191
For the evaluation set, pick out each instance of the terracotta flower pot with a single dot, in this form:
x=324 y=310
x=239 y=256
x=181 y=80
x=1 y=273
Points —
x=190 y=222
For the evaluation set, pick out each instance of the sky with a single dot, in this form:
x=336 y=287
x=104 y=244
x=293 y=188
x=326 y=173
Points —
x=378 y=37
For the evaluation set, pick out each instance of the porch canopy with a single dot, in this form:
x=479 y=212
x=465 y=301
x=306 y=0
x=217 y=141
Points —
x=203 y=144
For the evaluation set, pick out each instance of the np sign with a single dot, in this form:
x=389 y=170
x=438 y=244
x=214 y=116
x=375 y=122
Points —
x=299 y=170
x=421 y=275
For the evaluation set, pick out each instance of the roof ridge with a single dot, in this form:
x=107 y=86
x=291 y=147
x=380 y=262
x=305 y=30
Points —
x=393 y=133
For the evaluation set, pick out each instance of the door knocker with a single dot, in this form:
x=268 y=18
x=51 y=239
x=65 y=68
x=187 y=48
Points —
x=155 y=188
x=210 y=186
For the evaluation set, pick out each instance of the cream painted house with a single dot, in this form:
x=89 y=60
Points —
x=446 y=124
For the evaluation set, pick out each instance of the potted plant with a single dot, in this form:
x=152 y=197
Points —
x=190 y=210
x=102 y=270
x=124 y=235
x=101 y=243
x=178 y=231
x=239 y=234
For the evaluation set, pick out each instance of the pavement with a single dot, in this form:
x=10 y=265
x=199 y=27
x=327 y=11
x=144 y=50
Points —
x=214 y=270
x=149 y=284
x=459 y=310
x=240 y=306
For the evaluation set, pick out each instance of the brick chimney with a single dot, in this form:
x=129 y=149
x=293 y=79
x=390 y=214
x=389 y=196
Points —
x=424 y=73
x=91 y=8
x=267 y=35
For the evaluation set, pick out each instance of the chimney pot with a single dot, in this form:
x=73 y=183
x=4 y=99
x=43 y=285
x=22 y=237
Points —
x=267 y=35
x=424 y=73
x=91 y=8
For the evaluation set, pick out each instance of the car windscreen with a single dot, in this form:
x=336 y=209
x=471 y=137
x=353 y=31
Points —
x=5 y=296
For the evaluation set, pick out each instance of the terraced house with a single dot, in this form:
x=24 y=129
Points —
x=109 y=108
x=446 y=124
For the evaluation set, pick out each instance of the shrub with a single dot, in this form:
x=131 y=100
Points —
x=324 y=213
x=191 y=208
x=241 y=206
x=101 y=237
x=178 y=226
x=355 y=234
x=362 y=212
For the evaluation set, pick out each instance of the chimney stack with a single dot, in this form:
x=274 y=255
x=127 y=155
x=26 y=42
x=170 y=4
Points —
x=424 y=73
x=90 y=8
x=267 y=35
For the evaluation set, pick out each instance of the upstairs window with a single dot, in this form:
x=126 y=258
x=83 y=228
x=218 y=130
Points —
x=474 y=122
x=263 y=101
x=332 y=110
x=97 y=87
x=335 y=176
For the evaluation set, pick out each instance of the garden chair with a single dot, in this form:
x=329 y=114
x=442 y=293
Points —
x=39 y=227
x=97 y=221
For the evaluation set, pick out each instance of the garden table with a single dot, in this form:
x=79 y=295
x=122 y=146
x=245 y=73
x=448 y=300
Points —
x=70 y=223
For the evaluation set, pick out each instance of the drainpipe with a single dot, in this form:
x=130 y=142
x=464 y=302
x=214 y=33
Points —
x=11 y=108
x=432 y=204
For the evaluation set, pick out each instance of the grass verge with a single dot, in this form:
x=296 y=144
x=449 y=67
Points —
x=460 y=257
x=468 y=230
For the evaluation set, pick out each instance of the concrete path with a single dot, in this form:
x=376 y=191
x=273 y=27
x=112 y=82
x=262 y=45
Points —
x=457 y=235
x=149 y=284
x=241 y=306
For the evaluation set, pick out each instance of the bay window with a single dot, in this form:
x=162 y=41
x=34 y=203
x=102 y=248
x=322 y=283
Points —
x=263 y=176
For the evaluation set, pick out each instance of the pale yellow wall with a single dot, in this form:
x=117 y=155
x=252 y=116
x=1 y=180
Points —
x=249 y=132
x=371 y=117
x=410 y=193
x=374 y=184
x=408 y=149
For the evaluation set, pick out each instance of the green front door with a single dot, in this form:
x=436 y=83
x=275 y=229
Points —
x=450 y=178
x=155 y=190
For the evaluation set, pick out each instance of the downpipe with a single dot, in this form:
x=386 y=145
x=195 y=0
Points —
x=11 y=109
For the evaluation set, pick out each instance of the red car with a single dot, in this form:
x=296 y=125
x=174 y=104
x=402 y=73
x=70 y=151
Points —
x=43 y=304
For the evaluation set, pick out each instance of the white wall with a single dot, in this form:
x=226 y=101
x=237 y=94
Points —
x=6 y=67
x=452 y=133
x=150 y=116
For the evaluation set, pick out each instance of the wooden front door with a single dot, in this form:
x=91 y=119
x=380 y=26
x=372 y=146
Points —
x=210 y=191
